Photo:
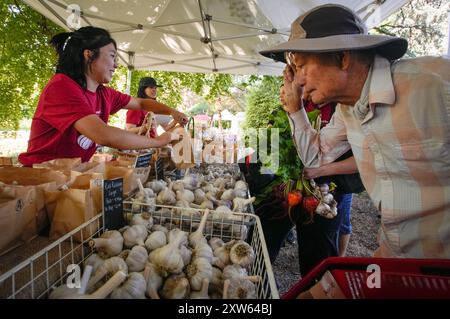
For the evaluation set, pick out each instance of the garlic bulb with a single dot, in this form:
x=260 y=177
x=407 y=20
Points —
x=156 y=240
x=242 y=254
x=175 y=232
x=177 y=186
x=191 y=181
x=228 y=195
x=110 y=266
x=222 y=255
x=168 y=259
x=327 y=198
x=233 y=271
x=185 y=195
x=137 y=258
x=203 y=250
x=154 y=281
x=160 y=228
x=216 y=242
x=241 y=185
x=216 y=282
x=197 y=237
x=239 y=288
x=95 y=261
x=176 y=287
x=109 y=244
x=135 y=235
x=242 y=193
x=197 y=270
x=241 y=204
x=142 y=219
x=133 y=288
x=206 y=204
x=200 y=196
x=203 y=293
x=166 y=197
x=186 y=254
x=157 y=185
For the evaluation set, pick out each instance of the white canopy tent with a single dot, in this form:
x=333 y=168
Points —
x=198 y=35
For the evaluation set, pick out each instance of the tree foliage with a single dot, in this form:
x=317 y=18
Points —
x=210 y=86
x=26 y=62
x=262 y=100
x=423 y=23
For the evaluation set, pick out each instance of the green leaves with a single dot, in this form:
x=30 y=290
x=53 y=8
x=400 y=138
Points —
x=26 y=61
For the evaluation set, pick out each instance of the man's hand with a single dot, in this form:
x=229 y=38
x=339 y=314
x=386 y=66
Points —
x=309 y=173
x=292 y=91
x=179 y=117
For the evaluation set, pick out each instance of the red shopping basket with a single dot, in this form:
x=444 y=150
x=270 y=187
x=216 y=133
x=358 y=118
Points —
x=399 y=278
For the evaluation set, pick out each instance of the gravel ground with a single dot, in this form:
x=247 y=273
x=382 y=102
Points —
x=363 y=242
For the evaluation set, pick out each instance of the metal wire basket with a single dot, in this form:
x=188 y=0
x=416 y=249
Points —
x=225 y=226
x=35 y=277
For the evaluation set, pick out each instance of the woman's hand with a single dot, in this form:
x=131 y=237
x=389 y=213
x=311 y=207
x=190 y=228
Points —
x=163 y=139
x=180 y=117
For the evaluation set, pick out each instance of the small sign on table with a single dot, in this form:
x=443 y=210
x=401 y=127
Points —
x=113 y=203
x=143 y=160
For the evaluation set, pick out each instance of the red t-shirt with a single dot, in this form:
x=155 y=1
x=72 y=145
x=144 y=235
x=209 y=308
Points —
x=136 y=117
x=62 y=103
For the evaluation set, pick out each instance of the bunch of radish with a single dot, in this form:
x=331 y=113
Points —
x=313 y=198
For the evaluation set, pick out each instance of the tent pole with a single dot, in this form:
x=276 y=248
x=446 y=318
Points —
x=129 y=72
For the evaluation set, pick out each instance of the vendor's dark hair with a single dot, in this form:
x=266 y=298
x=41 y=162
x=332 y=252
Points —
x=141 y=92
x=70 y=47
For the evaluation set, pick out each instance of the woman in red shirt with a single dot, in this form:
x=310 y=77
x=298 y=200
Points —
x=147 y=90
x=74 y=107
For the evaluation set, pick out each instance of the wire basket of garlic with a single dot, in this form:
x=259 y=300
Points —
x=165 y=252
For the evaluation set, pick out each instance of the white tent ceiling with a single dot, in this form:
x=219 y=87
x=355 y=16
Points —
x=198 y=35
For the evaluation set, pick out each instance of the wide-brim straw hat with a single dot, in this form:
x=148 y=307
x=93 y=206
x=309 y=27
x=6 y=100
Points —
x=331 y=28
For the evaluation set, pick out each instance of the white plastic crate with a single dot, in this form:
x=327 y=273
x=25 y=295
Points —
x=34 y=278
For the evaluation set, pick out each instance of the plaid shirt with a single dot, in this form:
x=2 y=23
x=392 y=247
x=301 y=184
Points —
x=399 y=132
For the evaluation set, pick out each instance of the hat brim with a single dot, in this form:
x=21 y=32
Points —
x=391 y=48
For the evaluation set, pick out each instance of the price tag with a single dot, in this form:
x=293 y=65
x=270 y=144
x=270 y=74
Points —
x=113 y=204
x=143 y=160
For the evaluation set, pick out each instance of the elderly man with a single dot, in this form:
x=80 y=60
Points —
x=394 y=114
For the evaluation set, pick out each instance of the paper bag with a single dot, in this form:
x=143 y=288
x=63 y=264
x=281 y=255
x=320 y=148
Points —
x=64 y=165
x=29 y=184
x=74 y=206
x=18 y=223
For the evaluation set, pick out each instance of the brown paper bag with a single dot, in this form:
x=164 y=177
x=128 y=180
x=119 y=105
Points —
x=32 y=182
x=18 y=222
x=101 y=157
x=74 y=206
x=64 y=165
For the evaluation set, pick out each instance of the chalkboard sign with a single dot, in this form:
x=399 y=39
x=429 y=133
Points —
x=113 y=204
x=143 y=160
x=159 y=168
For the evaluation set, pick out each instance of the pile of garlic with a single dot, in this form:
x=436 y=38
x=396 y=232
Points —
x=214 y=187
x=146 y=260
